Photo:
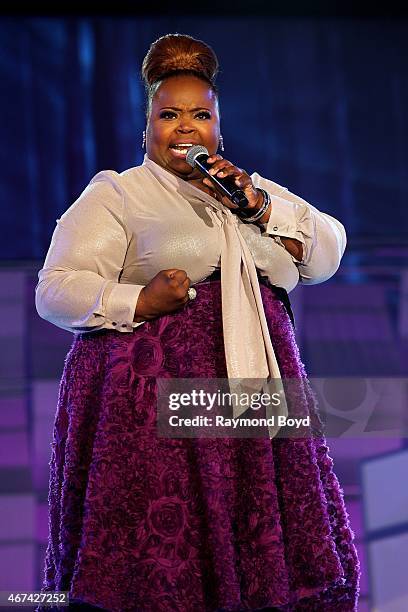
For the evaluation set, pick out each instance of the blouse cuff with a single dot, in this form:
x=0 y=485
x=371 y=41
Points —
x=119 y=305
x=290 y=220
x=114 y=309
x=282 y=221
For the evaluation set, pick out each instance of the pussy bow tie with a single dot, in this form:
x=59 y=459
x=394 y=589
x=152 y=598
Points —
x=250 y=358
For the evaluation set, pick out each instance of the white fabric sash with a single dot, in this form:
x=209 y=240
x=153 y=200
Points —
x=249 y=353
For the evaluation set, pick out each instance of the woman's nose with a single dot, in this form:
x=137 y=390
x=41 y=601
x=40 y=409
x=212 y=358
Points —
x=185 y=124
x=185 y=128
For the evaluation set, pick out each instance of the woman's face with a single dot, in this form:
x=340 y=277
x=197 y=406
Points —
x=184 y=111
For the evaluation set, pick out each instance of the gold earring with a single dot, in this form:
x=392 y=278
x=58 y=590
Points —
x=221 y=143
x=144 y=140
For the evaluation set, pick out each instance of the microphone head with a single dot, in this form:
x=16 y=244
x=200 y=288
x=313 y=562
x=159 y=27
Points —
x=193 y=152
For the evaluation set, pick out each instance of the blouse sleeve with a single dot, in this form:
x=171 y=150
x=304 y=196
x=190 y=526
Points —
x=323 y=237
x=79 y=288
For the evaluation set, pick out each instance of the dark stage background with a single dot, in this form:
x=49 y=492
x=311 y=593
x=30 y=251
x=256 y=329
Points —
x=317 y=105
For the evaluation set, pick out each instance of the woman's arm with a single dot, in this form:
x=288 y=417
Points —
x=78 y=288
x=315 y=240
x=294 y=247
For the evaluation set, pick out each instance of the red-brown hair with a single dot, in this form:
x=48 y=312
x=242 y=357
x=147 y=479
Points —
x=175 y=54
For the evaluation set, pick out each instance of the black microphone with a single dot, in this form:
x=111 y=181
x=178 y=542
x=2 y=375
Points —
x=197 y=158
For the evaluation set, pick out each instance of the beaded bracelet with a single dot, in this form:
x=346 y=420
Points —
x=251 y=219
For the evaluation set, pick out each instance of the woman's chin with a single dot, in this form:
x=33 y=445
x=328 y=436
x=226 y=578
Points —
x=180 y=167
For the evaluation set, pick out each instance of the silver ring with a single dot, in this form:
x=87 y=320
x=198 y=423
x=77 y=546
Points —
x=192 y=293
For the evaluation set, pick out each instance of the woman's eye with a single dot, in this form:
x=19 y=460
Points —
x=165 y=114
x=204 y=114
x=171 y=115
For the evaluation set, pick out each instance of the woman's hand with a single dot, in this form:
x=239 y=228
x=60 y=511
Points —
x=166 y=292
x=222 y=168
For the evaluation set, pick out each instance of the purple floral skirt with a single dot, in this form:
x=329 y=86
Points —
x=144 y=523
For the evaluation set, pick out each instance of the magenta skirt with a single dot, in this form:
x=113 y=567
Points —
x=144 y=523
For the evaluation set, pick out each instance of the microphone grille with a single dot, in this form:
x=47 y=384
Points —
x=193 y=152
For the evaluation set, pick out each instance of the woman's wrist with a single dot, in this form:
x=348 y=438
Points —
x=139 y=315
x=260 y=201
x=265 y=217
x=260 y=212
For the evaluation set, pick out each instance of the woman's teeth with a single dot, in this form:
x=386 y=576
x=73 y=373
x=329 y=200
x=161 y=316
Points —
x=181 y=149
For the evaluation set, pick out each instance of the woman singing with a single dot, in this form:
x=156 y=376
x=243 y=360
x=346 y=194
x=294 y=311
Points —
x=158 y=276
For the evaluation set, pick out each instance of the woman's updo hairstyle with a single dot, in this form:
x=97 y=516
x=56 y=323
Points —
x=175 y=54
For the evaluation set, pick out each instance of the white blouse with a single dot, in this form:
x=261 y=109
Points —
x=124 y=228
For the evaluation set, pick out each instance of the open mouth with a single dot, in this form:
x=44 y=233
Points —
x=181 y=150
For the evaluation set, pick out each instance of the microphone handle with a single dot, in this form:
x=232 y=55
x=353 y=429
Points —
x=225 y=185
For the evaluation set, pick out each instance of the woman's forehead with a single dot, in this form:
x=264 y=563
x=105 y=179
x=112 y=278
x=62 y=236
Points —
x=185 y=93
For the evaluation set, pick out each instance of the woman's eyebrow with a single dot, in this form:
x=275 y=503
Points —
x=192 y=110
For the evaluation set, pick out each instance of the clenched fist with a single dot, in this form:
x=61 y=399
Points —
x=166 y=292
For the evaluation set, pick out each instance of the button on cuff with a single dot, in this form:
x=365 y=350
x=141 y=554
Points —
x=121 y=305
